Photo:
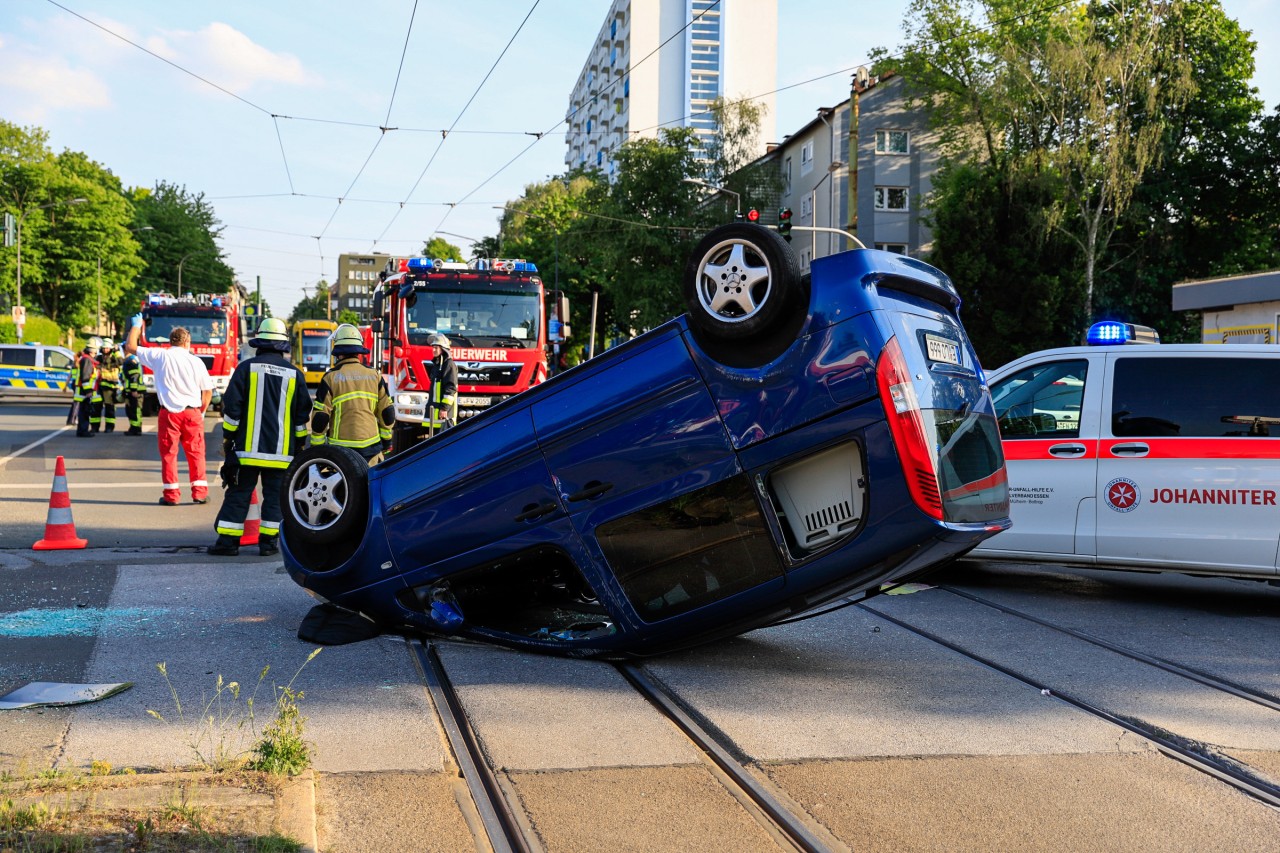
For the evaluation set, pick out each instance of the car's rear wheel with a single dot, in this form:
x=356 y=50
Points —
x=742 y=281
x=324 y=499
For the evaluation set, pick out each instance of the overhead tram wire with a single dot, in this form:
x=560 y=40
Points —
x=538 y=137
x=1047 y=8
x=444 y=134
x=386 y=126
x=189 y=73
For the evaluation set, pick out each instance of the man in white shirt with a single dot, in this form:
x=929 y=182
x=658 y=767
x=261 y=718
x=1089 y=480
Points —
x=184 y=389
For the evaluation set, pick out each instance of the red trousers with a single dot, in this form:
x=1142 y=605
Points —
x=185 y=428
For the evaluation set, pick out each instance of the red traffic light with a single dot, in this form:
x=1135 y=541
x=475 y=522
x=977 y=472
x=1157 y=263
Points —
x=784 y=214
x=753 y=215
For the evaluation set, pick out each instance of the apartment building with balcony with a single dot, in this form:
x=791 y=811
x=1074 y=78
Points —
x=638 y=79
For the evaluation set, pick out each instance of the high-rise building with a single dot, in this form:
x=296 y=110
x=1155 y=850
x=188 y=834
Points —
x=659 y=64
x=357 y=282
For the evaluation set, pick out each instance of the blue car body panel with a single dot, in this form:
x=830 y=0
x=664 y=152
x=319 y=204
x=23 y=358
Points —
x=567 y=475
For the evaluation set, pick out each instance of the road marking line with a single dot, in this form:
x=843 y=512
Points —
x=73 y=484
x=34 y=444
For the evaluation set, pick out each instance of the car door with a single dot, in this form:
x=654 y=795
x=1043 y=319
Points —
x=1189 y=461
x=58 y=368
x=1049 y=412
x=644 y=465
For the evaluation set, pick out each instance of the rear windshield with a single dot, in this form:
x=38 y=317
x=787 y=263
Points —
x=971 y=476
x=1201 y=397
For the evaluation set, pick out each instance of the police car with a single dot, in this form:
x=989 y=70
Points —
x=1142 y=457
x=37 y=370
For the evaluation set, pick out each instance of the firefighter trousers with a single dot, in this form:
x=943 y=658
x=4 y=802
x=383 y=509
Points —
x=235 y=505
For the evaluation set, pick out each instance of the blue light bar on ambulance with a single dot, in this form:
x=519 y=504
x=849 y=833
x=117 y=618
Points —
x=1108 y=332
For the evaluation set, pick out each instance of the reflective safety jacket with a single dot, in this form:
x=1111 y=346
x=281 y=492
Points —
x=265 y=410
x=352 y=407
x=131 y=373
x=443 y=374
x=109 y=366
x=86 y=377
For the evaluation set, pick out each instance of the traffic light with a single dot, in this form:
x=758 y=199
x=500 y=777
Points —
x=753 y=215
x=784 y=223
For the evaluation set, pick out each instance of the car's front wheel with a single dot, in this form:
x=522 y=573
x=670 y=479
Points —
x=324 y=499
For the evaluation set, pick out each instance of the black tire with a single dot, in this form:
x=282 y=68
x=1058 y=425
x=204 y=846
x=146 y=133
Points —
x=324 y=500
x=742 y=281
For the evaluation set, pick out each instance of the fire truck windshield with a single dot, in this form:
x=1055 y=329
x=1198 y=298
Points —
x=204 y=329
x=502 y=315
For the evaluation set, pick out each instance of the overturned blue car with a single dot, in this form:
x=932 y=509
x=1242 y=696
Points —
x=790 y=440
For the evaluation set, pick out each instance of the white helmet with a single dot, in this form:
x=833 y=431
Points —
x=95 y=343
x=439 y=340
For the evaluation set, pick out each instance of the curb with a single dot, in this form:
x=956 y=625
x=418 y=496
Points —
x=290 y=809
x=296 y=810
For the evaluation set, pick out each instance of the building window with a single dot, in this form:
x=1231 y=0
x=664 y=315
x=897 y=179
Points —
x=804 y=259
x=806 y=206
x=806 y=158
x=891 y=198
x=786 y=177
x=893 y=142
x=896 y=248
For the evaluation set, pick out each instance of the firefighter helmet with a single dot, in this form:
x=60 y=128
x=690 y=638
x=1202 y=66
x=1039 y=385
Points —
x=107 y=344
x=439 y=340
x=94 y=344
x=271 y=335
x=347 y=341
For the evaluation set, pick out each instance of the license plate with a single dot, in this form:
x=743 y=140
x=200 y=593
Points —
x=941 y=349
x=474 y=402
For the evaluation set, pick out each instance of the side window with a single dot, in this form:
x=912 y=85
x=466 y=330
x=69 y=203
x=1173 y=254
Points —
x=56 y=360
x=1197 y=397
x=18 y=356
x=1043 y=400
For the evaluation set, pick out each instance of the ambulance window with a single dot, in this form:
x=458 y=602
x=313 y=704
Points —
x=1204 y=397
x=1043 y=400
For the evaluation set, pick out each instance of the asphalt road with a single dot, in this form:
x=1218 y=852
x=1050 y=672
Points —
x=884 y=738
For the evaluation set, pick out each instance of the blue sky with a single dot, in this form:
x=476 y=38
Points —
x=285 y=119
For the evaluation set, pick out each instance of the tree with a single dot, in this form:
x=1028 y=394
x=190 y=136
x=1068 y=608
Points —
x=346 y=315
x=315 y=307
x=438 y=247
x=733 y=154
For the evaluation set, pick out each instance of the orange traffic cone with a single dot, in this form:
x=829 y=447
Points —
x=59 y=528
x=252 y=522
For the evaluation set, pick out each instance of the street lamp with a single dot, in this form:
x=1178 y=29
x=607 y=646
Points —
x=214 y=250
x=835 y=166
x=737 y=198
x=98 y=324
x=21 y=217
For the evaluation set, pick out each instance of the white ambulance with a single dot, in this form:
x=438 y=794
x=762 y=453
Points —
x=1161 y=457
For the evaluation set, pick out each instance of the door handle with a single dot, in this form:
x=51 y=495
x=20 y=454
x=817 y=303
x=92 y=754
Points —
x=1068 y=451
x=532 y=511
x=1130 y=448
x=594 y=489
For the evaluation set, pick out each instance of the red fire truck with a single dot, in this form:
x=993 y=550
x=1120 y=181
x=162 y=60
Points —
x=494 y=314
x=214 y=324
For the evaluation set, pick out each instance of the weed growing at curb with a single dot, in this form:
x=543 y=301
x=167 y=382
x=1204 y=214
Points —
x=215 y=736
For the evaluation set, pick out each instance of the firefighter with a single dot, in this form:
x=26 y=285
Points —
x=134 y=389
x=86 y=387
x=352 y=407
x=110 y=390
x=442 y=411
x=264 y=422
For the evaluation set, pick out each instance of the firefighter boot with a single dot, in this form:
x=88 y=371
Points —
x=226 y=546
x=268 y=546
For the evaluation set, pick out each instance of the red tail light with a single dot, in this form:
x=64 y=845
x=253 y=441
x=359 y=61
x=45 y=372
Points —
x=906 y=423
